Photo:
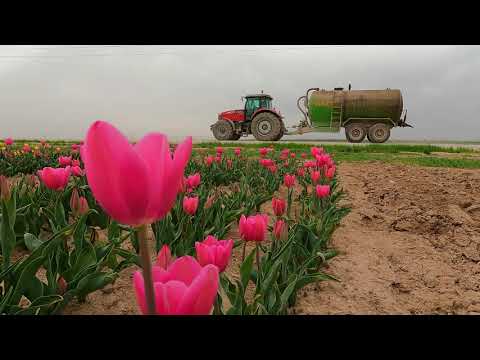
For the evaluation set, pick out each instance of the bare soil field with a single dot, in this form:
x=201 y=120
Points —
x=411 y=245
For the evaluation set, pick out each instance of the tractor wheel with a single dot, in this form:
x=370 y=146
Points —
x=378 y=133
x=355 y=133
x=267 y=127
x=222 y=130
x=236 y=136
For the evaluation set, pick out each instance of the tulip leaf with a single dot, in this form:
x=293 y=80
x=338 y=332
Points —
x=31 y=241
x=246 y=269
x=94 y=282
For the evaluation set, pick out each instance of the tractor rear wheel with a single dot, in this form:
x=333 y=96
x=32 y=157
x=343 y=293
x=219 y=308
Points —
x=222 y=130
x=355 y=133
x=267 y=127
x=378 y=133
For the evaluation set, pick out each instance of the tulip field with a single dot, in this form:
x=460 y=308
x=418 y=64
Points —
x=73 y=218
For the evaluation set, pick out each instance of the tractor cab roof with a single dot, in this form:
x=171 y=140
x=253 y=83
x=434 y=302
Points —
x=258 y=96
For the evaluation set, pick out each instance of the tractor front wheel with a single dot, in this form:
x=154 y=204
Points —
x=223 y=130
x=267 y=127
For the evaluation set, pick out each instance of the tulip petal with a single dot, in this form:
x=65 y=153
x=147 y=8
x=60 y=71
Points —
x=201 y=294
x=169 y=296
x=184 y=269
x=116 y=174
x=175 y=174
x=140 y=291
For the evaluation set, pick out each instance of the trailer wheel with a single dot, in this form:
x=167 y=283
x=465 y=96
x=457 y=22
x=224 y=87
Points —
x=222 y=130
x=355 y=133
x=267 y=127
x=378 y=133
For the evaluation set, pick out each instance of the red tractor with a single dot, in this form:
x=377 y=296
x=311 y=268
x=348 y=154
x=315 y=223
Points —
x=257 y=118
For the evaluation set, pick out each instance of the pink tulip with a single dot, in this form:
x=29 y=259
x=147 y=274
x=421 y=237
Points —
x=164 y=258
x=285 y=164
x=293 y=155
x=309 y=164
x=322 y=191
x=218 y=158
x=322 y=160
x=300 y=172
x=283 y=156
x=77 y=171
x=237 y=151
x=26 y=148
x=65 y=160
x=219 y=150
x=278 y=206
x=263 y=151
x=55 y=179
x=8 y=141
x=289 y=180
x=5 y=188
x=209 y=160
x=279 y=229
x=315 y=175
x=316 y=151
x=185 y=288
x=272 y=168
x=253 y=228
x=78 y=204
x=137 y=184
x=304 y=155
x=215 y=252
x=190 y=205
x=193 y=180
x=330 y=173
x=75 y=163
x=75 y=147
x=266 y=162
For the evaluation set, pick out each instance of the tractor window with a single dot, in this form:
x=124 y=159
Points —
x=266 y=103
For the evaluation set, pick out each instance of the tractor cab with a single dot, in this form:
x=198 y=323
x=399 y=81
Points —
x=256 y=102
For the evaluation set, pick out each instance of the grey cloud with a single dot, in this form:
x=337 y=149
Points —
x=56 y=92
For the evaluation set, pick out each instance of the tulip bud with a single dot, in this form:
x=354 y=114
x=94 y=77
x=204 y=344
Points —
x=300 y=172
x=219 y=150
x=190 y=205
x=209 y=202
x=82 y=206
x=278 y=206
x=164 y=258
x=330 y=173
x=279 y=229
x=237 y=151
x=5 y=188
x=289 y=180
x=229 y=163
x=315 y=176
x=74 y=201
x=62 y=286
x=322 y=191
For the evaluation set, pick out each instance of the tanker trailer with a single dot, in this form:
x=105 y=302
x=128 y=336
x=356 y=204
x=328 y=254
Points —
x=363 y=113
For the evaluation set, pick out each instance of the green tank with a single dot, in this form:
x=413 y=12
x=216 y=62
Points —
x=362 y=113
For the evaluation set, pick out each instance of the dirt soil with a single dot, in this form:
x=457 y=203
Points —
x=411 y=245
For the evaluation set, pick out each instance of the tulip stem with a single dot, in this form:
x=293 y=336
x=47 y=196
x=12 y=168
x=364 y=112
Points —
x=244 y=249
x=147 y=269
x=258 y=257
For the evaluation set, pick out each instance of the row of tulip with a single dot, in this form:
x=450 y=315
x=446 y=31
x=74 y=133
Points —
x=127 y=189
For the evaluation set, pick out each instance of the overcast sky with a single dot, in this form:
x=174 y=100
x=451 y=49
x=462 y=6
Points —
x=57 y=91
